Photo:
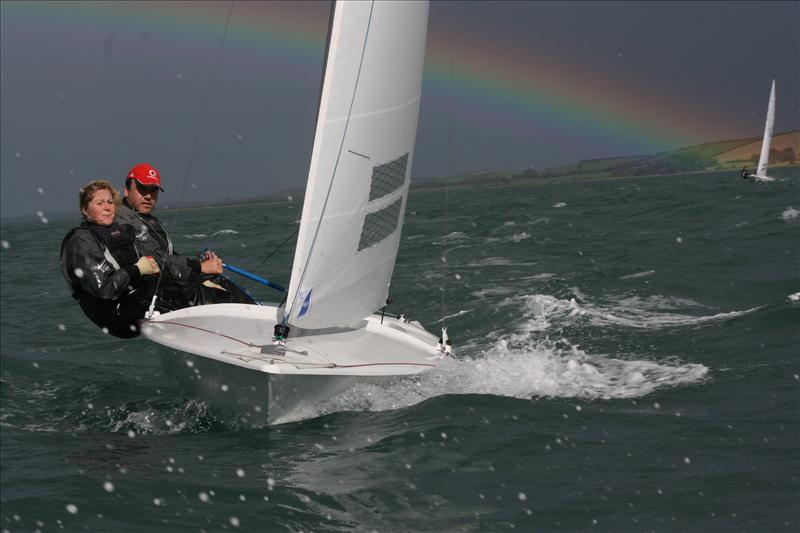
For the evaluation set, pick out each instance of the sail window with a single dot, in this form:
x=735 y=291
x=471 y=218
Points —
x=388 y=177
x=380 y=224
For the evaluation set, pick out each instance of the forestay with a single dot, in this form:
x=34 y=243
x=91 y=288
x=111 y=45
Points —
x=361 y=163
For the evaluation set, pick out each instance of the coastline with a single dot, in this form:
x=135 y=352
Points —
x=486 y=180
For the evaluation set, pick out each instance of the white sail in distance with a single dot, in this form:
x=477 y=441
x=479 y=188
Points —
x=361 y=163
x=763 y=160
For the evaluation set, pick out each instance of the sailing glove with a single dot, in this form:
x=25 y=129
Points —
x=147 y=265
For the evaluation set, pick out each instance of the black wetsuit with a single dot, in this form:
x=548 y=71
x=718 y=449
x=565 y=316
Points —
x=99 y=263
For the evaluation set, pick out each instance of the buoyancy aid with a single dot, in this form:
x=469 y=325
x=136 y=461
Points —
x=151 y=226
x=116 y=241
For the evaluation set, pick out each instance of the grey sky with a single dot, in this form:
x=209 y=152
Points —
x=86 y=96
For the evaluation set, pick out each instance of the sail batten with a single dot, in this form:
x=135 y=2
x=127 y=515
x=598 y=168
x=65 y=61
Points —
x=361 y=164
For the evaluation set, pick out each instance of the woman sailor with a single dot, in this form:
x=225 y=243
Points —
x=99 y=260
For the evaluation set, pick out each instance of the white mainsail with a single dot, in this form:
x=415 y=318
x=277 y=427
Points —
x=360 y=167
x=763 y=161
x=225 y=354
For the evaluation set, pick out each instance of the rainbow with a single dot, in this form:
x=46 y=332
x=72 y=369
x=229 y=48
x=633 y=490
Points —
x=503 y=87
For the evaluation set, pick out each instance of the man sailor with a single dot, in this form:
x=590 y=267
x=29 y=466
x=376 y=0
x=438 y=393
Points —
x=142 y=187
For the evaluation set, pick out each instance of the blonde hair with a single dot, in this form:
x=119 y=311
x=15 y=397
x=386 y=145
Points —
x=88 y=191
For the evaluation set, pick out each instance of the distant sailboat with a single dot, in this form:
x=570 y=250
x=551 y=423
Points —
x=763 y=161
x=233 y=355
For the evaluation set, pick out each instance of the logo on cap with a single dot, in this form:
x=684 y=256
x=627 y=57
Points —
x=146 y=174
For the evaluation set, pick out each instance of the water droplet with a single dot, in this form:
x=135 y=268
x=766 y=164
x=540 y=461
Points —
x=679 y=240
x=72 y=508
x=203 y=497
x=5 y=244
x=522 y=497
x=158 y=502
x=108 y=486
x=62 y=327
x=40 y=190
x=687 y=460
x=234 y=521
x=240 y=472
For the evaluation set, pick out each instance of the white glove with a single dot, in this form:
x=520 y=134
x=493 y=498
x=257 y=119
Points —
x=147 y=265
x=211 y=284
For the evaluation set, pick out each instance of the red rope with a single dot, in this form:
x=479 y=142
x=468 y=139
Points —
x=206 y=330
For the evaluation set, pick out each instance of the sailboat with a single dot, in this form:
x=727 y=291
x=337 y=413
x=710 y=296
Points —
x=264 y=364
x=763 y=160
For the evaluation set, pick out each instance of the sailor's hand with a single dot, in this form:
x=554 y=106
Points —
x=147 y=265
x=212 y=264
x=211 y=284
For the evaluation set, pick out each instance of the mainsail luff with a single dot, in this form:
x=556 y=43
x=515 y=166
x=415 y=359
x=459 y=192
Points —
x=763 y=160
x=360 y=168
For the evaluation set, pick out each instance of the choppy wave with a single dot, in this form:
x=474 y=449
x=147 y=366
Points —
x=215 y=234
x=636 y=275
x=524 y=366
x=634 y=312
x=790 y=213
x=496 y=261
x=187 y=417
x=453 y=237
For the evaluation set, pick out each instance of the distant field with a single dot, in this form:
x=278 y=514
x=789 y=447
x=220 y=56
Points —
x=748 y=151
x=595 y=165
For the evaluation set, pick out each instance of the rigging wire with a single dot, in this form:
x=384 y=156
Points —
x=275 y=250
x=449 y=157
x=197 y=137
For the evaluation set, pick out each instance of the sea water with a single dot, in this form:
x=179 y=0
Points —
x=626 y=360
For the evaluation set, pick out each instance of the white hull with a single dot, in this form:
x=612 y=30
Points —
x=761 y=178
x=239 y=396
x=246 y=378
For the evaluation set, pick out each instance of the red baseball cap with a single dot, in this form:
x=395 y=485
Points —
x=146 y=174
